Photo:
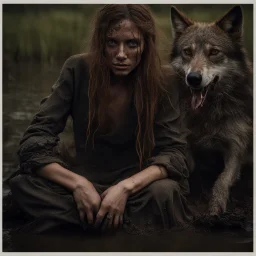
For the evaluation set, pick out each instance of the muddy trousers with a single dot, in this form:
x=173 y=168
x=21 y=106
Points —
x=161 y=205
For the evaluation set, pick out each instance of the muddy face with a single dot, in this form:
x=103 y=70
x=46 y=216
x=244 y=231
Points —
x=124 y=47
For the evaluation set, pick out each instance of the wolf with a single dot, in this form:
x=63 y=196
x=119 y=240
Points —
x=216 y=94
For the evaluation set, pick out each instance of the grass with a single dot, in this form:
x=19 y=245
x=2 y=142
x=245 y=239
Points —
x=58 y=32
x=44 y=36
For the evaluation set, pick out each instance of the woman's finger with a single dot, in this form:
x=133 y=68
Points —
x=110 y=217
x=99 y=218
x=116 y=221
x=104 y=224
x=121 y=220
x=104 y=194
x=89 y=217
x=81 y=214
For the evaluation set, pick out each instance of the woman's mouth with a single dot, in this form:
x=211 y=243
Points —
x=120 y=66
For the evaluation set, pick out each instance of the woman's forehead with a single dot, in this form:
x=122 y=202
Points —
x=122 y=27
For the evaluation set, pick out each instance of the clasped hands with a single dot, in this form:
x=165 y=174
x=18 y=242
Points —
x=108 y=207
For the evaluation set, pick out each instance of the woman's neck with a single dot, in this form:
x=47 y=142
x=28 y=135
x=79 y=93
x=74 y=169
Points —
x=119 y=81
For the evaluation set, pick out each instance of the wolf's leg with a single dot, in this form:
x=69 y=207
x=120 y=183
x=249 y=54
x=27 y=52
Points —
x=226 y=179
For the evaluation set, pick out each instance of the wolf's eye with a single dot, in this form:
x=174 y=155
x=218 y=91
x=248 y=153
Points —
x=214 y=52
x=187 y=52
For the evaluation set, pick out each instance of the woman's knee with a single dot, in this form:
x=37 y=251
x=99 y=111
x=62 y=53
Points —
x=162 y=189
x=27 y=186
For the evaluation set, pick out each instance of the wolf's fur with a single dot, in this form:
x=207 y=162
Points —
x=222 y=120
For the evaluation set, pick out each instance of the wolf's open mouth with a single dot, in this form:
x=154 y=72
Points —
x=199 y=95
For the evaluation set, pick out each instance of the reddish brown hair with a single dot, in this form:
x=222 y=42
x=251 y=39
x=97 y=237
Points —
x=148 y=75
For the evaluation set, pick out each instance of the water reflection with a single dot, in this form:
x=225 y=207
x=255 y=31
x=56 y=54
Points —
x=24 y=85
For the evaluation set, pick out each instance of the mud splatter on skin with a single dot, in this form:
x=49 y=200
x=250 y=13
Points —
x=124 y=44
x=114 y=29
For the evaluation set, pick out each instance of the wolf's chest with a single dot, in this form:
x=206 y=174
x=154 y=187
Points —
x=206 y=140
x=205 y=132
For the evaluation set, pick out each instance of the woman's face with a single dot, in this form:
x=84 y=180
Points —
x=124 y=47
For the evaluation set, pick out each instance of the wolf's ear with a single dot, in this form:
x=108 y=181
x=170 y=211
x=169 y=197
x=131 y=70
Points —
x=179 y=21
x=232 y=22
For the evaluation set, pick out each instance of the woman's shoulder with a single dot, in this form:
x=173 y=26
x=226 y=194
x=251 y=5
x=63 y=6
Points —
x=78 y=60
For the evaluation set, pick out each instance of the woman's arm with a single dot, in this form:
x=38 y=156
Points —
x=114 y=198
x=58 y=174
x=38 y=152
x=85 y=195
x=140 y=180
x=171 y=134
x=38 y=146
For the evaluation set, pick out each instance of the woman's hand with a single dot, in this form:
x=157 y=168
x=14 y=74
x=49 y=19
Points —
x=112 y=207
x=88 y=200
x=85 y=195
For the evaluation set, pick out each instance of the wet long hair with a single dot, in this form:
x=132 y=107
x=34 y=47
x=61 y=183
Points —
x=148 y=77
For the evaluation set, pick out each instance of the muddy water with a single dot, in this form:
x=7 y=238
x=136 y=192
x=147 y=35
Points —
x=120 y=242
x=25 y=84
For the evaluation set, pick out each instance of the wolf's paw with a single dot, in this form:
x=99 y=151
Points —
x=218 y=202
x=215 y=211
x=205 y=220
x=217 y=208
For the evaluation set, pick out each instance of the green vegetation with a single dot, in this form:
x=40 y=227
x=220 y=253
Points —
x=54 y=32
x=45 y=35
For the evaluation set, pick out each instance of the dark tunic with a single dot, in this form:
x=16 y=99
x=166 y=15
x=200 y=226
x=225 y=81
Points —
x=112 y=159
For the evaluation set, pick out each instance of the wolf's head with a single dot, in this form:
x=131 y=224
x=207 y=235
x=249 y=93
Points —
x=210 y=56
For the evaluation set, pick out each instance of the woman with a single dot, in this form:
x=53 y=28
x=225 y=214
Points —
x=130 y=145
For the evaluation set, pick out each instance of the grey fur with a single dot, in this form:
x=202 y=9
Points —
x=223 y=122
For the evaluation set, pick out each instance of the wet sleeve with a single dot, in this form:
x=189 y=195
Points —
x=170 y=138
x=38 y=145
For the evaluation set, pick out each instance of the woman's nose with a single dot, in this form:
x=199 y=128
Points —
x=121 y=54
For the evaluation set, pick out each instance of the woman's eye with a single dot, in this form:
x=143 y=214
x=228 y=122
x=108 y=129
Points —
x=133 y=43
x=187 y=52
x=214 y=52
x=111 y=42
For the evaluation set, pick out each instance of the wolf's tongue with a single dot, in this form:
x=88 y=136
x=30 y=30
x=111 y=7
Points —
x=197 y=99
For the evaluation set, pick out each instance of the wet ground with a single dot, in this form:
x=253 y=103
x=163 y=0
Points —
x=186 y=241
x=23 y=88
x=235 y=236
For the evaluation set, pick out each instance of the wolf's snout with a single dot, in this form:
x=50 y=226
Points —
x=194 y=80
